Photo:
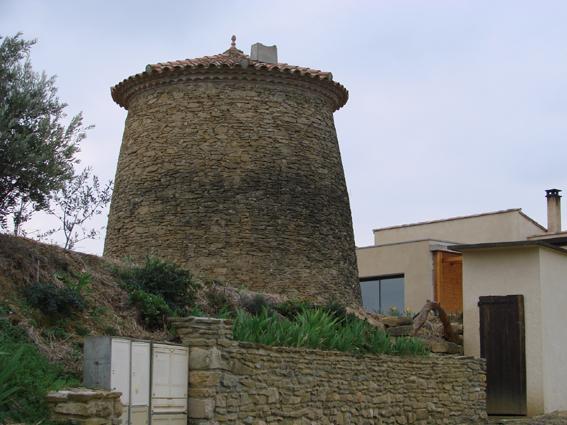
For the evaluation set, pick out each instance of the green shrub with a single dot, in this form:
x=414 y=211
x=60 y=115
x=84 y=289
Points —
x=81 y=330
x=317 y=328
x=197 y=312
x=290 y=309
x=110 y=331
x=218 y=301
x=82 y=284
x=55 y=332
x=256 y=304
x=25 y=377
x=153 y=308
x=175 y=286
x=53 y=300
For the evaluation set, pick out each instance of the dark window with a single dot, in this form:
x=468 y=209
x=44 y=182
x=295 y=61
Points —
x=382 y=294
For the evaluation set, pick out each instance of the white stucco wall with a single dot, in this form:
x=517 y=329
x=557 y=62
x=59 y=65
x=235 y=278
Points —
x=509 y=271
x=553 y=273
x=413 y=260
x=498 y=227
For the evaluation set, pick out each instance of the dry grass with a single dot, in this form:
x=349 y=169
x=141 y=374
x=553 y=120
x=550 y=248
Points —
x=24 y=261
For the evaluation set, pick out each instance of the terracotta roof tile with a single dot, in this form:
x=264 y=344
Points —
x=232 y=58
x=236 y=58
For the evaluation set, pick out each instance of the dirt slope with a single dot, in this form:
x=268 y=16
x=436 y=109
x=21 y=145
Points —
x=24 y=262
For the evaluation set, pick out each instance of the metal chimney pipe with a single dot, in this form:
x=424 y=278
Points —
x=553 y=210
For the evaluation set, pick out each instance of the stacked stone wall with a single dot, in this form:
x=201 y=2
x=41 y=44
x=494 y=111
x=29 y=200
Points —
x=243 y=383
x=240 y=181
x=84 y=406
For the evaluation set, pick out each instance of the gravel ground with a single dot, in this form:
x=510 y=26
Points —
x=555 y=418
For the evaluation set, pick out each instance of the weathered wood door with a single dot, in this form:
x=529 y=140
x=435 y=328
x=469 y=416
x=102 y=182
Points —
x=449 y=281
x=502 y=344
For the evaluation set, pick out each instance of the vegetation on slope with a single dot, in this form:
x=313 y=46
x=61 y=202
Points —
x=52 y=298
x=25 y=376
x=57 y=297
x=159 y=289
x=321 y=328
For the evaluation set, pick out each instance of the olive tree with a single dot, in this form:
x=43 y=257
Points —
x=37 y=150
x=76 y=203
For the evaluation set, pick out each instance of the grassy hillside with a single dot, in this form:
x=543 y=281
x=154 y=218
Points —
x=105 y=311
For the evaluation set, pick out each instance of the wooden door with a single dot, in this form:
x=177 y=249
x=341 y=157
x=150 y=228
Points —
x=449 y=281
x=502 y=344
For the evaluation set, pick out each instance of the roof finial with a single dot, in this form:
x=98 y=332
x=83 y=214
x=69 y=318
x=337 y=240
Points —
x=233 y=43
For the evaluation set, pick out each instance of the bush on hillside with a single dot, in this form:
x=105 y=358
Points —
x=153 y=308
x=25 y=377
x=256 y=304
x=53 y=300
x=159 y=289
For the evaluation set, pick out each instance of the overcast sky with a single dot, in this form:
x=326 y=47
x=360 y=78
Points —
x=456 y=107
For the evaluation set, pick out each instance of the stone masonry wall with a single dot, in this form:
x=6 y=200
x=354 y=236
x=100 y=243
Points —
x=242 y=383
x=240 y=181
x=83 y=406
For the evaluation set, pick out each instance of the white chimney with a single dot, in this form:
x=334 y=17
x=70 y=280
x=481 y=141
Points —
x=553 y=210
x=261 y=53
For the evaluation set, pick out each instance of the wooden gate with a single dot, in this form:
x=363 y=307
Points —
x=502 y=344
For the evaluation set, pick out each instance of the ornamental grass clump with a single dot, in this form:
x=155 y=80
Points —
x=320 y=329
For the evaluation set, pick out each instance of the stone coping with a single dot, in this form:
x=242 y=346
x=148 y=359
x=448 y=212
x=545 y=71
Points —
x=81 y=394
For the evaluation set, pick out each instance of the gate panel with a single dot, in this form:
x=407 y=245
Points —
x=502 y=344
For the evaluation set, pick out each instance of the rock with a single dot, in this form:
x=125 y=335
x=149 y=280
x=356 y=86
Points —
x=372 y=318
x=394 y=321
x=457 y=328
x=400 y=330
x=441 y=346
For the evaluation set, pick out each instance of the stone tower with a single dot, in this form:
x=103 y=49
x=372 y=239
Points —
x=230 y=166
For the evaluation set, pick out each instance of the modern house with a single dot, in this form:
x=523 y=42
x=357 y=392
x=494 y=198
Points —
x=514 y=296
x=507 y=275
x=411 y=263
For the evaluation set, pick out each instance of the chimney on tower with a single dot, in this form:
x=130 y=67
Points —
x=553 y=210
x=261 y=53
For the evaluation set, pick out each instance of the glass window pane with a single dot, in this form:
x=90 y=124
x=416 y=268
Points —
x=392 y=294
x=370 y=291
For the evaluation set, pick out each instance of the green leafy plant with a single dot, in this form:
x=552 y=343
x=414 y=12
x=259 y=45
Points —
x=321 y=329
x=256 y=304
x=110 y=331
x=81 y=330
x=37 y=152
x=290 y=309
x=55 y=332
x=80 y=284
x=176 y=286
x=53 y=300
x=197 y=312
x=153 y=308
x=8 y=368
x=25 y=377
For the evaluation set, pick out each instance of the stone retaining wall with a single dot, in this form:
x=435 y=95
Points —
x=85 y=406
x=243 y=383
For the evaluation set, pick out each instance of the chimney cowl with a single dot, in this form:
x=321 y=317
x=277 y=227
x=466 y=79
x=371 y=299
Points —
x=553 y=210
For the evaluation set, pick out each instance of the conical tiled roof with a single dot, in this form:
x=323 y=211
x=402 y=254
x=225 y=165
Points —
x=231 y=59
x=234 y=57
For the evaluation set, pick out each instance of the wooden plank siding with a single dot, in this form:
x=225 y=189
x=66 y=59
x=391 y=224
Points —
x=448 y=280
